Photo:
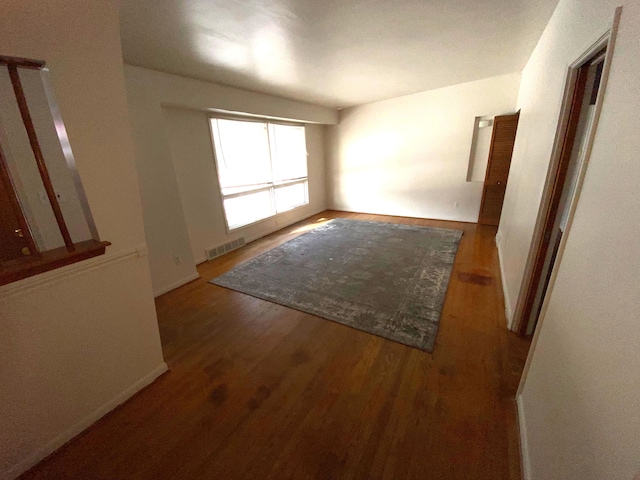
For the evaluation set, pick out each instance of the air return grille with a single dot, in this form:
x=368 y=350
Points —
x=214 y=252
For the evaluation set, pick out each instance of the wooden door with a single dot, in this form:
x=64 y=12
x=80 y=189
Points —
x=15 y=237
x=544 y=238
x=495 y=181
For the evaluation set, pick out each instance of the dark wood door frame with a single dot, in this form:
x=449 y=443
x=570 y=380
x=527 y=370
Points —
x=551 y=213
x=567 y=127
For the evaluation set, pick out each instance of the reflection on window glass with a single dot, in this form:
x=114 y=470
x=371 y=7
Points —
x=242 y=151
x=262 y=168
x=248 y=208
x=289 y=148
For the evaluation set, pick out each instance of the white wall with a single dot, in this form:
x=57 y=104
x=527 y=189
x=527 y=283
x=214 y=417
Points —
x=194 y=166
x=77 y=341
x=410 y=155
x=170 y=258
x=579 y=405
x=173 y=152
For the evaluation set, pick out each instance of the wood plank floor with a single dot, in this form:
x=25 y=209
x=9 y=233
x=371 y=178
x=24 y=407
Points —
x=260 y=391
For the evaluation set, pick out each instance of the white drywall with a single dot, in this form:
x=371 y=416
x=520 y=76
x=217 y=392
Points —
x=170 y=258
x=78 y=340
x=192 y=153
x=410 y=155
x=579 y=404
x=181 y=209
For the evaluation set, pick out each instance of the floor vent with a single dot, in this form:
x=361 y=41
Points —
x=215 y=252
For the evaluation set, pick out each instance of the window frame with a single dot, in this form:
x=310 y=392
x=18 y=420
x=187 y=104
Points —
x=271 y=186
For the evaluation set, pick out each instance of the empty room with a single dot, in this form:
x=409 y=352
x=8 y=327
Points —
x=319 y=240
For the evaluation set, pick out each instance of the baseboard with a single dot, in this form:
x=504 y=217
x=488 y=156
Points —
x=524 y=446
x=82 y=425
x=177 y=284
x=507 y=303
x=399 y=215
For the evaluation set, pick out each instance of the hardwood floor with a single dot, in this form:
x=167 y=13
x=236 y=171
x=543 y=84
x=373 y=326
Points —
x=260 y=391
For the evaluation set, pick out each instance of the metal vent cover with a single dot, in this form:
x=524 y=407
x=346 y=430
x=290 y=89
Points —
x=219 y=250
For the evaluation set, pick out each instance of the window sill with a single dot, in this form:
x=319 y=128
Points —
x=19 y=269
x=270 y=217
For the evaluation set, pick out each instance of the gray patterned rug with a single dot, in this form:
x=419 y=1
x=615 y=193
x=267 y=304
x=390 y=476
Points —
x=387 y=279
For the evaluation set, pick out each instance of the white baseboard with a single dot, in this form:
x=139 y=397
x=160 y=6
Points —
x=524 y=446
x=82 y=425
x=507 y=303
x=177 y=284
x=406 y=214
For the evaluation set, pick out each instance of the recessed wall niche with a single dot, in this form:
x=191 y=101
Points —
x=480 y=144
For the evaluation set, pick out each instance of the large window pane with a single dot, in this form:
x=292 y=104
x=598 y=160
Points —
x=290 y=196
x=262 y=168
x=242 y=152
x=289 y=152
x=248 y=208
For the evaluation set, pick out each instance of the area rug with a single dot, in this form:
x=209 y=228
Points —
x=383 y=278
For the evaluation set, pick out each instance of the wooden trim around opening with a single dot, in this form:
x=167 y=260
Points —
x=20 y=268
x=37 y=153
x=608 y=40
x=551 y=212
x=22 y=62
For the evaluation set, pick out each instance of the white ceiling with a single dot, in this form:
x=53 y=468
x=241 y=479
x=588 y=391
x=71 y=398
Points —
x=333 y=52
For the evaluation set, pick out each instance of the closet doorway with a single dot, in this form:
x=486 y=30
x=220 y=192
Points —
x=578 y=122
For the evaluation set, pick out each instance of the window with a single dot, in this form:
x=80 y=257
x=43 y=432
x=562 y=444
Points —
x=262 y=168
x=45 y=221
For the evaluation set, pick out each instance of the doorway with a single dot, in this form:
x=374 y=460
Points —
x=584 y=91
x=495 y=183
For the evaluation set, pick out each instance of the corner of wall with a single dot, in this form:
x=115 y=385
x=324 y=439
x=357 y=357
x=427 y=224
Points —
x=372 y=151
x=178 y=283
x=508 y=313
x=524 y=446
x=330 y=155
x=76 y=429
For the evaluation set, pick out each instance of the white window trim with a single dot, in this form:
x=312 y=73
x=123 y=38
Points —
x=262 y=186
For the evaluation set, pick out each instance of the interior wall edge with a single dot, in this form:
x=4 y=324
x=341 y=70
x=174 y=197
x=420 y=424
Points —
x=76 y=429
x=524 y=446
x=508 y=312
x=176 y=284
x=580 y=390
